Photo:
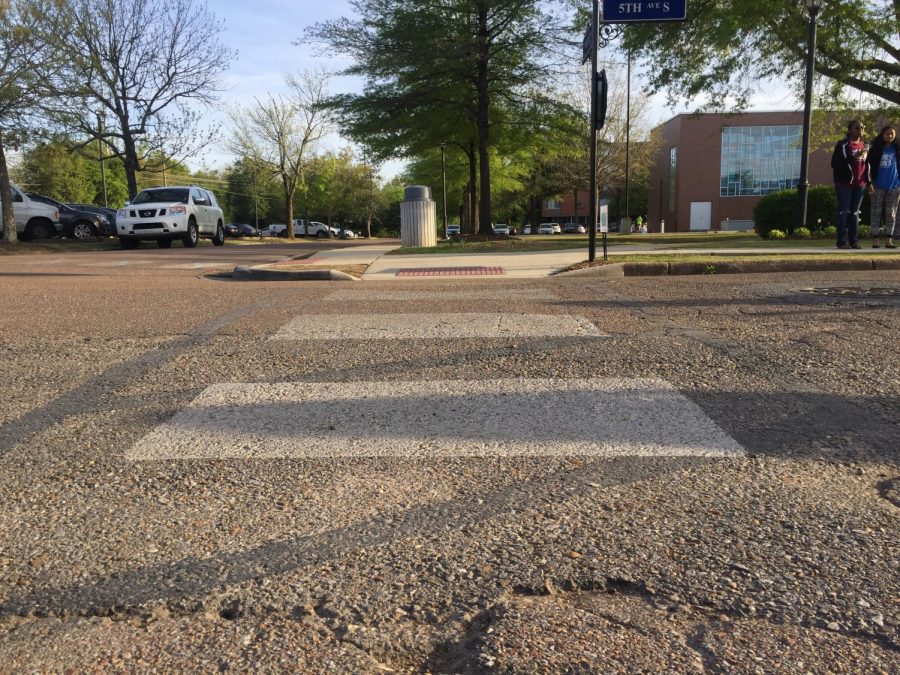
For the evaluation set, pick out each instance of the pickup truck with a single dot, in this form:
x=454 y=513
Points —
x=34 y=220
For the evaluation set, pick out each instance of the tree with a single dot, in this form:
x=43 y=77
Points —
x=280 y=131
x=493 y=57
x=727 y=46
x=133 y=72
x=25 y=60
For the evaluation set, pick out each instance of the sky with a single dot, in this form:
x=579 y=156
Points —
x=263 y=31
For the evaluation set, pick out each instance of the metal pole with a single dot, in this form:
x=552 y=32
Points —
x=592 y=198
x=803 y=185
x=444 y=188
x=627 y=139
x=102 y=166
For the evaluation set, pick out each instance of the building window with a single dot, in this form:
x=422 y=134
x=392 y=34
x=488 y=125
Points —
x=673 y=167
x=759 y=160
x=554 y=204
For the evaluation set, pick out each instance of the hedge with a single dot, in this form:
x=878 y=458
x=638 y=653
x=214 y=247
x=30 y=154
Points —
x=779 y=210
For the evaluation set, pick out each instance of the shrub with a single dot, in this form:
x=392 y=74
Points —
x=776 y=234
x=830 y=231
x=865 y=232
x=801 y=233
x=779 y=209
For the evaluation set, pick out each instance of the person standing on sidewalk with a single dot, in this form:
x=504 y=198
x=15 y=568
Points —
x=885 y=186
x=851 y=176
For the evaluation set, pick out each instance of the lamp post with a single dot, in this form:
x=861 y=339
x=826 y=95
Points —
x=813 y=7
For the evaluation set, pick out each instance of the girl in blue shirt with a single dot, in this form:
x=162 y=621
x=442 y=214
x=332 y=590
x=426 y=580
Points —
x=884 y=187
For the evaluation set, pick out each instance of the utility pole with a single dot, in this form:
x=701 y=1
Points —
x=444 y=187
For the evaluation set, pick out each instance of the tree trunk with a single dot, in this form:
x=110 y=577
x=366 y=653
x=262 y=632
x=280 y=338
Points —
x=483 y=121
x=131 y=166
x=7 y=216
x=289 y=207
x=535 y=213
x=473 y=193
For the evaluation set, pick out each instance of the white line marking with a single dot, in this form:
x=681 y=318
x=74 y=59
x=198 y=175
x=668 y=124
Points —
x=404 y=326
x=606 y=417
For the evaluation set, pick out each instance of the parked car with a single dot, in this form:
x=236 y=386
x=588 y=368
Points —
x=314 y=229
x=501 y=230
x=453 y=230
x=345 y=233
x=574 y=228
x=240 y=230
x=526 y=229
x=164 y=214
x=110 y=215
x=75 y=223
x=549 y=228
x=34 y=219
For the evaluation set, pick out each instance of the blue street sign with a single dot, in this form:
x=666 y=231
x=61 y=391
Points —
x=615 y=11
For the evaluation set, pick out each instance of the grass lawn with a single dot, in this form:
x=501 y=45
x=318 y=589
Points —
x=712 y=258
x=58 y=246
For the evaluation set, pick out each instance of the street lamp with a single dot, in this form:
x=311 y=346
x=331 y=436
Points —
x=813 y=7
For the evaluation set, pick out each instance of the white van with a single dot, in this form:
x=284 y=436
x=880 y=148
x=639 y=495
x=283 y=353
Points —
x=34 y=220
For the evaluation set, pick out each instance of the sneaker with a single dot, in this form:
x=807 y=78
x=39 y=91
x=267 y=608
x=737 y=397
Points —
x=855 y=246
x=875 y=244
x=843 y=246
x=890 y=244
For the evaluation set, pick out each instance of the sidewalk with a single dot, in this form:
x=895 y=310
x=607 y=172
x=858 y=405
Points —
x=533 y=264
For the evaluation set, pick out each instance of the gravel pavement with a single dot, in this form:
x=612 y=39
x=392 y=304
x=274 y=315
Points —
x=779 y=556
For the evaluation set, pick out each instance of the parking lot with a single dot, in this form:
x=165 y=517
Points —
x=446 y=474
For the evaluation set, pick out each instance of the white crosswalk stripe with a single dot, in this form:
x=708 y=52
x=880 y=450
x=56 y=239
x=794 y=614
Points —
x=407 y=326
x=439 y=418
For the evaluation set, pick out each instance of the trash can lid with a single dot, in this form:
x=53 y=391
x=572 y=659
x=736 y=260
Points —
x=416 y=193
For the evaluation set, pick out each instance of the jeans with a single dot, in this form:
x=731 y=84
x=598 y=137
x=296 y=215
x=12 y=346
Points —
x=885 y=201
x=849 y=200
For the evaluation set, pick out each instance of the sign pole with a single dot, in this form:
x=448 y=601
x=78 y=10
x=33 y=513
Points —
x=592 y=199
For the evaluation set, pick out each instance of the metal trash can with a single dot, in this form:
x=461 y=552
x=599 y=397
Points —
x=418 y=217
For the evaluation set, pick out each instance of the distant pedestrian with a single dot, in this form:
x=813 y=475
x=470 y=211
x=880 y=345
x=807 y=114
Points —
x=885 y=186
x=851 y=176
x=638 y=223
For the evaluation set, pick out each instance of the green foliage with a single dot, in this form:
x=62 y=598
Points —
x=830 y=231
x=58 y=170
x=779 y=210
x=727 y=47
x=801 y=233
x=709 y=269
x=776 y=234
x=864 y=232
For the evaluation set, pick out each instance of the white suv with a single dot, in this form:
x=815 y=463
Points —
x=34 y=219
x=314 y=229
x=169 y=213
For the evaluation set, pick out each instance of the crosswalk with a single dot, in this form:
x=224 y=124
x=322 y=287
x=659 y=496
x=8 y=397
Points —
x=505 y=417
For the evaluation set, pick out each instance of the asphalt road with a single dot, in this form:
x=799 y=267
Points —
x=662 y=474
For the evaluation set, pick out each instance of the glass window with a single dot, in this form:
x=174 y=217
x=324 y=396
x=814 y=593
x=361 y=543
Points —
x=179 y=195
x=759 y=160
x=554 y=204
x=673 y=167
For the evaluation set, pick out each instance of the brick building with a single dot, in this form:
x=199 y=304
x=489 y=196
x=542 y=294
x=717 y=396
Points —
x=711 y=169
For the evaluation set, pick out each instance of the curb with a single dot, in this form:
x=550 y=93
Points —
x=262 y=274
x=651 y=269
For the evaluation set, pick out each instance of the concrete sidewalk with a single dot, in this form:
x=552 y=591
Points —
x=534 y=264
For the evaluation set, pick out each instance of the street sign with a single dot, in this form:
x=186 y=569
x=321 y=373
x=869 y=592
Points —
x=615 y=11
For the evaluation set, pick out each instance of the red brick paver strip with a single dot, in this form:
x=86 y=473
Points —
x=449 y=271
